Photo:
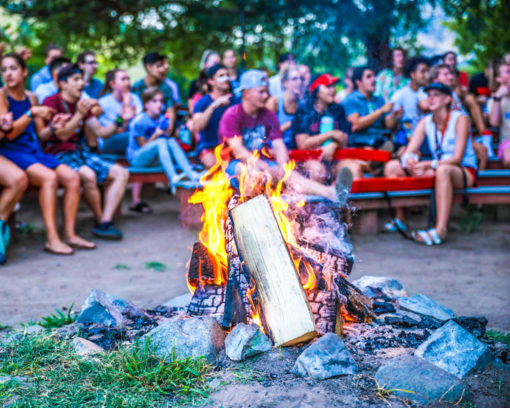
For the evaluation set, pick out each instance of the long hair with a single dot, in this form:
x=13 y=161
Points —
x=109 y=77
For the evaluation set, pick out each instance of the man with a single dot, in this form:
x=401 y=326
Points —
x=156 y=68
x=88 y=64
x=51 y=88
x=68 y=144
x=172 y=84
x=43 y=75
x=461 y=77
x=275 y=82
x=230 y=62
x=500 y=112
x=208 y=111
x=370 y=116
x=249 y=126
x=392 y=79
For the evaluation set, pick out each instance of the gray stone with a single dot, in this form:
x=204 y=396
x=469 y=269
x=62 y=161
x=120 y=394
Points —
x=424 y=305
x=84 y=347
x=373 y=286
x=33 y=330
x=476 y=325
x=325 y=358
x=245 y=341
x=455 y=350
x=194 y=336
x=179 y=302
x=426 y=382
x=107 y=310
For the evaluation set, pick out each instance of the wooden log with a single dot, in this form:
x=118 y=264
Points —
x=286 y=314
x=354 y=304
x=200 y=267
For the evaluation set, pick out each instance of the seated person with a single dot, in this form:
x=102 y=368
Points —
x=51 y=88
x=454 y=161
x=87 y=62
x=21 y=146
x=320 y=123
x=370 y=116
x=500 y=112
x=151 y=144
x=390 y=80
x=42 y=76
x=156 y=69
x=69 y=145
x=286 y=103
x=208 y=111
x=250 y=127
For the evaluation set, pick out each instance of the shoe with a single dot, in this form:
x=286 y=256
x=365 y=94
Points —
x=343 y=185
x=5 y=237
x=106 y=230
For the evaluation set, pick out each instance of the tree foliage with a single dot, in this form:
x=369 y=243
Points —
x=328 y=34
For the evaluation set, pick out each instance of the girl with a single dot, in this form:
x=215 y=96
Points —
x=285 y=105
x=454 y=160
x=20 y=145
x=150 y=144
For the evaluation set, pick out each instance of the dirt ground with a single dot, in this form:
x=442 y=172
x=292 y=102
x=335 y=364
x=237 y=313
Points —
x=470 y=273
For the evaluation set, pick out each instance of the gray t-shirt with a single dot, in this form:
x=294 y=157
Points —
x=408 y=100
x=372 y=136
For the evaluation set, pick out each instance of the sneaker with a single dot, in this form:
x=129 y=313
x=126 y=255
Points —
x=106 y=230
x=4 y=240
x=343 y=185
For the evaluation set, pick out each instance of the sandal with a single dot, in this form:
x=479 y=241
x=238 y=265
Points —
x=50 y=250
x=429 y=238
x=141 y=207
x=5 y=237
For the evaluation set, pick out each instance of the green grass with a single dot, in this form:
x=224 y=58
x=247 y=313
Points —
x=121 y=267
x=156 y=266
x=59 y=319
x=133 y=377
x=4 y=327
x=498 y=336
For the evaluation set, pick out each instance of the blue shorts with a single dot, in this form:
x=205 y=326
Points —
x=25 y=159
x=78 y=158
x=234 y=177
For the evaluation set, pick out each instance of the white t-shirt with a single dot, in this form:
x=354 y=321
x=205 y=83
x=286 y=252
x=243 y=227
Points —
x=408 y=99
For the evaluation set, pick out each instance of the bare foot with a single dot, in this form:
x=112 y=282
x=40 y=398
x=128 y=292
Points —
x=58 y=248
x=78 y=242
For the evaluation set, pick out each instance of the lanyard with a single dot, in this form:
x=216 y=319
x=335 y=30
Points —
x=439 y=144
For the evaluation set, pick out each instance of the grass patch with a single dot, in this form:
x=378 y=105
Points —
x=29 y=229
x=4 y=327
x=59 y=319
x=498 y=336
x=156 y=266
x=121 y=267
x=133 y=377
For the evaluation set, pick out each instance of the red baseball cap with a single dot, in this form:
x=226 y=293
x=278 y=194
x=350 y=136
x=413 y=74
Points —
x=324 y=79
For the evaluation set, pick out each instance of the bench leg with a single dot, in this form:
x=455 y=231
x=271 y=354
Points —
x=365 y=222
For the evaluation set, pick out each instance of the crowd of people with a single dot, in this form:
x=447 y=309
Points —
x=434 y=119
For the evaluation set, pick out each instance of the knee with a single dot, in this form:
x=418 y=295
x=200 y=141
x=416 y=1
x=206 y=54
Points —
x=50 y=180
x=443 y=172
x=19 y=181
x=88 y=177
x=119 y=173
x=393 y=169
x=71 y=180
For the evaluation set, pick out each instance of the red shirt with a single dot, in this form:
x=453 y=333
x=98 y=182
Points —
x=55 y=145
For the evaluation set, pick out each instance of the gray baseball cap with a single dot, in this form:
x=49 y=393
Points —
x=251 y=79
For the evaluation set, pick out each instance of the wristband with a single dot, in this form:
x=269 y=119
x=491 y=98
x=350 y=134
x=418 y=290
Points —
x=29 y=113
x=496 y=98
x=119 y=122
x=406 y=156
x=434 y=163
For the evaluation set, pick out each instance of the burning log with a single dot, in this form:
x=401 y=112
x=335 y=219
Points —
x=334 y=262
x=286 y=314
x=326 y=311
x=355 y=305
x=207 y=300
x=200 y=267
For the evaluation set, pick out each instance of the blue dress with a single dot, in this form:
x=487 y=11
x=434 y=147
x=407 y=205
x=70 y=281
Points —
x=25 y=150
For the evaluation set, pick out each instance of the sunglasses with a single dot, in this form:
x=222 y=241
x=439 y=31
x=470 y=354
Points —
x=296 y=79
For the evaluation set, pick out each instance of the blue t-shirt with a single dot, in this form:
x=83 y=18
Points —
x=94 y=88
x=142 y=125
x=40 y=77
x=209 y=135
x=372 y=136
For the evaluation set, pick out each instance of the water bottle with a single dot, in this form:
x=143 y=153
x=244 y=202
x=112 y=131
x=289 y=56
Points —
x=164 y=122
x=184 y=135
x=327 y=124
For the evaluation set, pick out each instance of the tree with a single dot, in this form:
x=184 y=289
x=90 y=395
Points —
x=482 y=27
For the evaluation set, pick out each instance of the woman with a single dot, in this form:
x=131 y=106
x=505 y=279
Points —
x=392 y=79
x=20 y=145
x=150 y=144
x=120 y=106
x=198 y=87
x=454 y=161
x=285 y=104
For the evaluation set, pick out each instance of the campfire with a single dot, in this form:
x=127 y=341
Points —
x=270 y=259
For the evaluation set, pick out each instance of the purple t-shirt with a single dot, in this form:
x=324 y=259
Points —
x=256 y=132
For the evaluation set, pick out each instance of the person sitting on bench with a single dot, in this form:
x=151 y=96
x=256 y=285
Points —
x=371 y=118
x=250 y=126
x=500 y=112
x=454 y=160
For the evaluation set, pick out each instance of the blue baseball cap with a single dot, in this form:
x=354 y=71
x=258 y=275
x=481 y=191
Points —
x=439 y=87
x=251 y=79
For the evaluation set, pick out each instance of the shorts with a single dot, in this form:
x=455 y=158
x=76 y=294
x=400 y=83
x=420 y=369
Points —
x=78 y=158
x=25 y=159
x=502 y=146
x=474 y=172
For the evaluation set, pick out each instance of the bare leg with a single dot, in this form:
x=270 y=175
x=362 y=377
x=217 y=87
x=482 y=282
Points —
x=481 y=154
x=70 y=180
x=46 y=180
x=394 y=169
x=136 y=192
x=315 y=170
x=91 y=193
x=117 y=181
x=14 y=182
x=208 y=159
x=476 y=112
x=448 y=177
x=505 y=158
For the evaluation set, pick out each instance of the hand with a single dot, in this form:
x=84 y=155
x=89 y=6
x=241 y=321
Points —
x=126 y=98
x=397 y=115
x=127 y=112
x=411 y=162
x=6 y=122
x=43 y=112
x=503 y=90
x=420 y=168
x=340 y=137
x=59 y=120
x=387 y=107
x=158 y=132
x=25 y=53
x=328 y=151
x=222 y=101
x=85 y=105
